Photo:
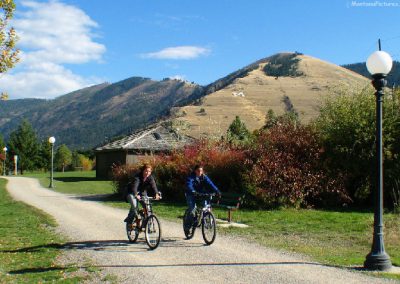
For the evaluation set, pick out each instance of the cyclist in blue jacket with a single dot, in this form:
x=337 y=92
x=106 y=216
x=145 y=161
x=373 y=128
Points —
x=198 y=182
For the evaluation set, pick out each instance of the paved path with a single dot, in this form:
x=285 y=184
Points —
x=97 y=231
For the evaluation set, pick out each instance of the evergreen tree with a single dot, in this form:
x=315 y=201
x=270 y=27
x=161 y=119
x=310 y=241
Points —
x=23 y=142
x=44 y=157
x=63 y=157
x=237 y=131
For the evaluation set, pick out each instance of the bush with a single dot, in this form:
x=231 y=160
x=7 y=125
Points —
x=221 y=163
x=346 y=127
x=285 y=169
x=281 y=168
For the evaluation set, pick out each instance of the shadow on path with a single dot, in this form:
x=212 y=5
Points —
x=78 y=179
x=182 y=265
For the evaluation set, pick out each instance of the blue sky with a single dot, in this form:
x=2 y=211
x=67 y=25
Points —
x=69 y=44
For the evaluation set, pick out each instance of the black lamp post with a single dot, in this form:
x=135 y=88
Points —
x=52 y=140
x=379 y=65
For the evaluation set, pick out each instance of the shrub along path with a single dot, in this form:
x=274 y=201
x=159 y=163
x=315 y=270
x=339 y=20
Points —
x=97 y=231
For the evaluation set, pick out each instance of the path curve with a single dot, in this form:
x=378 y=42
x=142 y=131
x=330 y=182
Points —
x=97 y=232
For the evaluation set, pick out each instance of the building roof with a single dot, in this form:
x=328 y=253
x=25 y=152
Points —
x=156 y=138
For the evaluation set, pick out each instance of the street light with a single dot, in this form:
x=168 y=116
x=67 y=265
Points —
x=5 y=159
x=379 y=65
x=52 y=140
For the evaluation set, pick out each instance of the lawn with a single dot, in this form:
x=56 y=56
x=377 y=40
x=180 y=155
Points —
x=84 y=182
x=29 y=247
x=333 y=237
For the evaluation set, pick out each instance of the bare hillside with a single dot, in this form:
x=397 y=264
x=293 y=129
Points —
x=297 y=83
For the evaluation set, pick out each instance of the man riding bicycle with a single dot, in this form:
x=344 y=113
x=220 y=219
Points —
x=197 y=182
x=143 y=181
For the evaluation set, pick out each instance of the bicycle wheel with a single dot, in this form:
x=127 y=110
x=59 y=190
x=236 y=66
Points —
x=153 y=232
x=132 y=232
x=188 y=228
x=209 y=228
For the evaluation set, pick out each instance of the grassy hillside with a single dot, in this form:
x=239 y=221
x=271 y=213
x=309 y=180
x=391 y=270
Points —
x=88 y=117
x=92 y=116
x=393 y=77
x=276 y=82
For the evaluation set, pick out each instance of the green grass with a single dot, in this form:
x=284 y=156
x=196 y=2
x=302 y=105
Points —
x=332 y=237
x=84 y=182
x=28 y=246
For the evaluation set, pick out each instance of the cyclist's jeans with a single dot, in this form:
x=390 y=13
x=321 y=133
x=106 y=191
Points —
x=191 y=202
x=133 y=211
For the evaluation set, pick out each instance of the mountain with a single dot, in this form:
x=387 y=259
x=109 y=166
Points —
x=393 y=77
x=88 y=117
x=282 y=82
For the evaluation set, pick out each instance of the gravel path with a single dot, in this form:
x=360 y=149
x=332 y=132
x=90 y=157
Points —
x=97 y=232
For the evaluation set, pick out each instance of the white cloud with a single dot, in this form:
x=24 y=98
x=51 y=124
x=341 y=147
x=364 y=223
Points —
x=51 y=34
x=179 y=52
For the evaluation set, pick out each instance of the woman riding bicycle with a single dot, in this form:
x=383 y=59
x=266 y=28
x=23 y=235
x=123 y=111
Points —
x=142 y=182
x=197 y=182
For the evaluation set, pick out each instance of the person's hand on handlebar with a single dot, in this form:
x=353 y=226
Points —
x=158 y=197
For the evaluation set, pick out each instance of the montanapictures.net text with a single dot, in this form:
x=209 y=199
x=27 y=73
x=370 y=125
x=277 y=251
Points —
x=374 y=4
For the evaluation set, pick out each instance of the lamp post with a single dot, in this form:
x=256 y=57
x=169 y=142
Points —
x=379 y=65
x=52 y=140
x=5 y=159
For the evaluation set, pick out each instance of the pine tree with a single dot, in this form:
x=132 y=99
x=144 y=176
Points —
x=23 y=142
x=237 y=131
x=44 y=157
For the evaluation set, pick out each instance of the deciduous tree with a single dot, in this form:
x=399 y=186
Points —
x=8 y=36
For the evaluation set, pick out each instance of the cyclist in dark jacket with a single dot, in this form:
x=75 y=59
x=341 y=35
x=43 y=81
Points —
x=142 y=183
x=200 y=183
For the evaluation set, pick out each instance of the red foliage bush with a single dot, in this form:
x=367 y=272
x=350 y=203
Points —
x=282 y=167
x=221 y=162
x=285 y=169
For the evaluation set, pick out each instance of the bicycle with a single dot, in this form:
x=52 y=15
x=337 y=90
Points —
x=204 y=218
x=145 y=221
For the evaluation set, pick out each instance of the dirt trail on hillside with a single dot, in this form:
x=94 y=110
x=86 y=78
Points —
x=97 y=232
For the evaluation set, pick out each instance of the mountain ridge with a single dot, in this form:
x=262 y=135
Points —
x=91 y=116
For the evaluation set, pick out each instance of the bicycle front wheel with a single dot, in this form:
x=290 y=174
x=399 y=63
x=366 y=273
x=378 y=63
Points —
x=188 y=226
x=153 y=232
x=209 y=228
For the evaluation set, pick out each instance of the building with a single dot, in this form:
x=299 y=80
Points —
x=130 y=149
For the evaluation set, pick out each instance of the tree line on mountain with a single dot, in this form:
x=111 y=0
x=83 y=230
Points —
x=393 y=78
x=35 y=154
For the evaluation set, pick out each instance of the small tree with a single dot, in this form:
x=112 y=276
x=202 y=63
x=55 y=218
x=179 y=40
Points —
x=8 y=36
x=63 y=157
x=23 y=142
x=237 y=131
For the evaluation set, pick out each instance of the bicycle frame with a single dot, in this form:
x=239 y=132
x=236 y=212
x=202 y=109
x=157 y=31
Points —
x=206 y=199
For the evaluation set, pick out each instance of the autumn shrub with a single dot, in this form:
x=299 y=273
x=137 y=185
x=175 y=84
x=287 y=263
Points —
x=221 y=162
x=285 y=170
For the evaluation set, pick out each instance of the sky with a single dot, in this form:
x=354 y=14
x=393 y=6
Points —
x=70 y=44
